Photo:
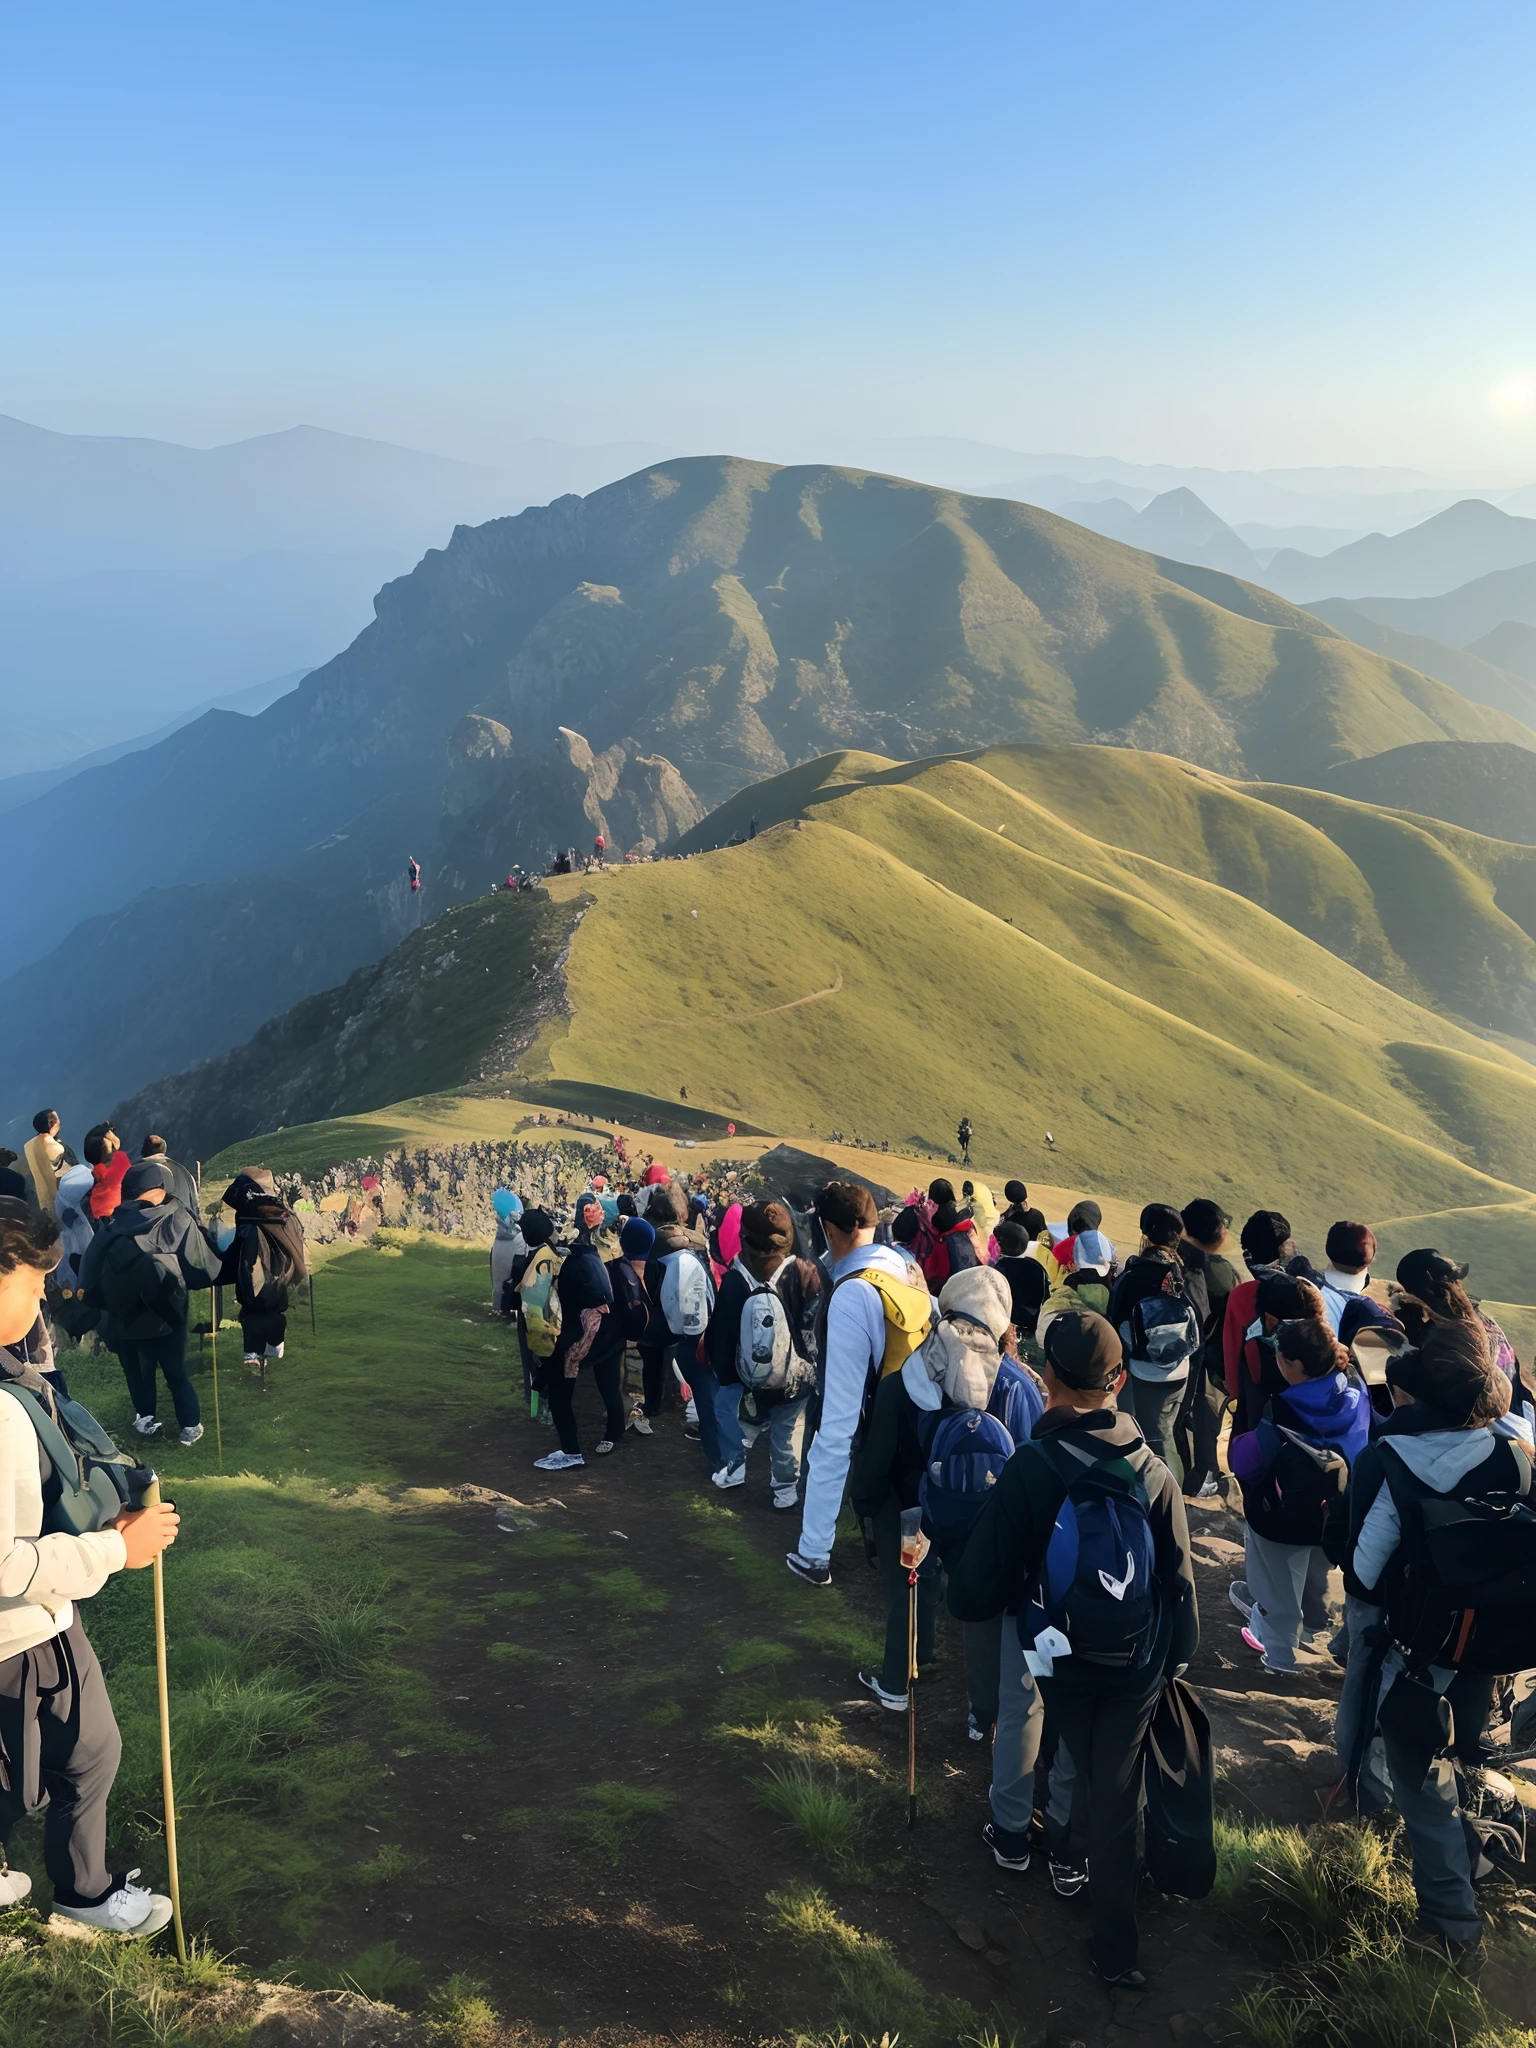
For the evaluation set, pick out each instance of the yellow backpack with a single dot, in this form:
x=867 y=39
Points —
x=541 y=1304
x=909 y=1316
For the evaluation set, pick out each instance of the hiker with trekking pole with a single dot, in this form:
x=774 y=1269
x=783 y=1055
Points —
x=68 y=1521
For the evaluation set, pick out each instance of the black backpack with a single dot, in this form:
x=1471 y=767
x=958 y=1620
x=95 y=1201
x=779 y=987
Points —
x=135 y=1283
x=1180 y=1785
x=1461 y=1589
x=1299 y=1485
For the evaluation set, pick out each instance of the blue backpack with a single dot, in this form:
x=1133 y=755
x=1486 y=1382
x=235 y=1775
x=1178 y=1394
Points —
x=1097 y=1583
x=966 y=1456
x=1016 y=1401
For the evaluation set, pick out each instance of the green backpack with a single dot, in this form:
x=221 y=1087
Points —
x=91 y=1480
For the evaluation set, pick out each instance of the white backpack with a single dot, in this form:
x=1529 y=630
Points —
x=687 y=1293
x=766 y=1359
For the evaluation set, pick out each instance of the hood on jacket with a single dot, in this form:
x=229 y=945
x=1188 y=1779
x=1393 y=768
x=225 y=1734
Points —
x=1442 y=1458
x=960 y=1359
x=1331 y=1410
x=672 y=1237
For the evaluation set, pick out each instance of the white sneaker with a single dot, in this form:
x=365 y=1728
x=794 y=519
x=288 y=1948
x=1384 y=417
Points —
x=146 y=1425
x=191 y=1434
x=130 y=1911
x=641 y=1424
x=559 y=1461
x=14 y=1887
x=786 y=1496
x=253 y=1358
x=691 y=1412
x=274 y=1351
x=730 y=1475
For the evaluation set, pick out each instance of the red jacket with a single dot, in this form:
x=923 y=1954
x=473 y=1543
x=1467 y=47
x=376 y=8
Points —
x=107 y=1192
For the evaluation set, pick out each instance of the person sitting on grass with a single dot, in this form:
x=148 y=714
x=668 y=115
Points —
x=57 y=1729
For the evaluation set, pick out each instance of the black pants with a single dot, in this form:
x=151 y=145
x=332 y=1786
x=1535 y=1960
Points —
x=654 y=1373
x=262 y=1328
x=1105 y=1723
x=58 y=1736
x=608 y=1376
x=898 y=1600
x=169 y=1354
x=1197 y=1428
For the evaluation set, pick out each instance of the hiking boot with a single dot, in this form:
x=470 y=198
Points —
x=15 y=1885
x=1466 y=1958
x=1241 y=1598
x=730 y=1475
x=978 y=1731
x=128 y=1910
x=605 y=1447
x=895 y=1702
x=1067 y=1880
x=641 y=1424
x=786 y=1496
x=191 y=1434
x=1009 y=1852
x=816 y=1571
x=559 y=1461
x=146 y=1425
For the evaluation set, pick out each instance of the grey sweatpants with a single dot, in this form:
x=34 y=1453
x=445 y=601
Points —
x=1289 y=1584
x=59 y=1742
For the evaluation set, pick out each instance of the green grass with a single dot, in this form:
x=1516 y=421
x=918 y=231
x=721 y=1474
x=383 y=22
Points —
x=824 y=1809
x=613 y=1817
x=875 y=1995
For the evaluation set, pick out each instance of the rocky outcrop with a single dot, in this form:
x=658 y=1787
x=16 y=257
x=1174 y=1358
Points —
x=479 y=751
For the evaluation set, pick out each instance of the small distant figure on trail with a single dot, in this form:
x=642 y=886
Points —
x=682 y=1094
x=600 y=850
x=964 y=1135
x=1050 y=1142
x=413 y=869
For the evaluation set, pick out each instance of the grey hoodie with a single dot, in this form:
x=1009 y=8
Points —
x=1439 y=1459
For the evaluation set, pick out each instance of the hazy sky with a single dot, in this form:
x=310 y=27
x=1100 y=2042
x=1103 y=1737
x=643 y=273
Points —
x=1199 y=233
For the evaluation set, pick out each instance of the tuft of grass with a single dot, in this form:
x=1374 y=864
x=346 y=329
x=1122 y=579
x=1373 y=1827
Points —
x=877 y=1997
x=384 y=1975
x=1307 y=1887
x=615 y=1814
x=462 y=2013
x=75 y=1994
x=515 y=1653
x=388 y=1863
x=666 y=1714
x=820 y=1806
x=625 y=1593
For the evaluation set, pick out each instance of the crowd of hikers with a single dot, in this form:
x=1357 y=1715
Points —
x=1013 y=1413
x=1016 y=1415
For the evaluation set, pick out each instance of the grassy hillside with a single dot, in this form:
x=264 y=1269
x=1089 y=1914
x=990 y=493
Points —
x=1241 y=996
x=1487 y=789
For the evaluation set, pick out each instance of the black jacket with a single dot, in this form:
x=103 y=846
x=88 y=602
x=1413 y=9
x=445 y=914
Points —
x=889 y=1461
x=179 y=1246
x=1144 y=1276
x=1005 y=1550
x=268 y=1243
x=1028 y=1283
x=798 y=1289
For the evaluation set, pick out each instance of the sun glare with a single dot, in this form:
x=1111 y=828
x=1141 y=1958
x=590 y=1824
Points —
x=1515 y=398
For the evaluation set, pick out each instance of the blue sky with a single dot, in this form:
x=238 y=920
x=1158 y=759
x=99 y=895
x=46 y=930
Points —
x=1196 y=233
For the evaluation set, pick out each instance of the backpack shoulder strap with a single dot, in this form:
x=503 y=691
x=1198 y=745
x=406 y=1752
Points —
x=55 y=1443
x=1522 y=1459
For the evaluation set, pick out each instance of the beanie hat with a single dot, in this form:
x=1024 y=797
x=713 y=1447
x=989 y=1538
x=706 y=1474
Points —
x=1426 y=1275
x=905 y=1225
x=1015 y=1193
x=1093 y=1248
x=149 y=1173
x=1351 y=1246
x=1084 y=1215
x=636 y=1238
x=538 y=1227
x=1012 y=1237
x=1204 y=1219
x=981 y=1293
x=1263 y=1235
x=1162 y=1225
x=1082 y=1349
x=506 y=1204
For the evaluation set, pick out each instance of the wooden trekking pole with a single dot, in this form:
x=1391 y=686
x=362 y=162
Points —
x=213 y=1339
x=150 y=1498
x=911 y=1697
x=311 y=1301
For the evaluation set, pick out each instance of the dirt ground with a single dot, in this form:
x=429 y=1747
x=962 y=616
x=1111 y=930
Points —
x=670 y=1942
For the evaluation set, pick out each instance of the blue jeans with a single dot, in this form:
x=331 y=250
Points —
x=784 y=1425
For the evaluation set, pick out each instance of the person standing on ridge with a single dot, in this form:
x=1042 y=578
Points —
x=964 y=1135
x=109 y=1163
x=45 y=1157
x=183 y=1185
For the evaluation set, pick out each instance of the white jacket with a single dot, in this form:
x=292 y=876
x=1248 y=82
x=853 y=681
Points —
x=40 y=1575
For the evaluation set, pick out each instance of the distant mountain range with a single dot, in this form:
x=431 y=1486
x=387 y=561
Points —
x=1464 y=668
x=1465 y=616
x=1465 y=541
x=1175 y=524
x=702 y=623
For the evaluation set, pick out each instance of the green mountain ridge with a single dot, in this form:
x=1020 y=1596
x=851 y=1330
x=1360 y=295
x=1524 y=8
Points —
x=1192 y=983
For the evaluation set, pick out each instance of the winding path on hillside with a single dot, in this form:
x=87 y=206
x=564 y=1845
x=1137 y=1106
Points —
x=748 y=1016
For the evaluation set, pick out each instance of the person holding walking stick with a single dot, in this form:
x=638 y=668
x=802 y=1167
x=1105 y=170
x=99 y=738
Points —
x=58 y=1736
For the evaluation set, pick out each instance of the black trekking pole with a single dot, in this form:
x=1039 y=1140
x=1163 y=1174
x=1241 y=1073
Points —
x=311 y=1301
